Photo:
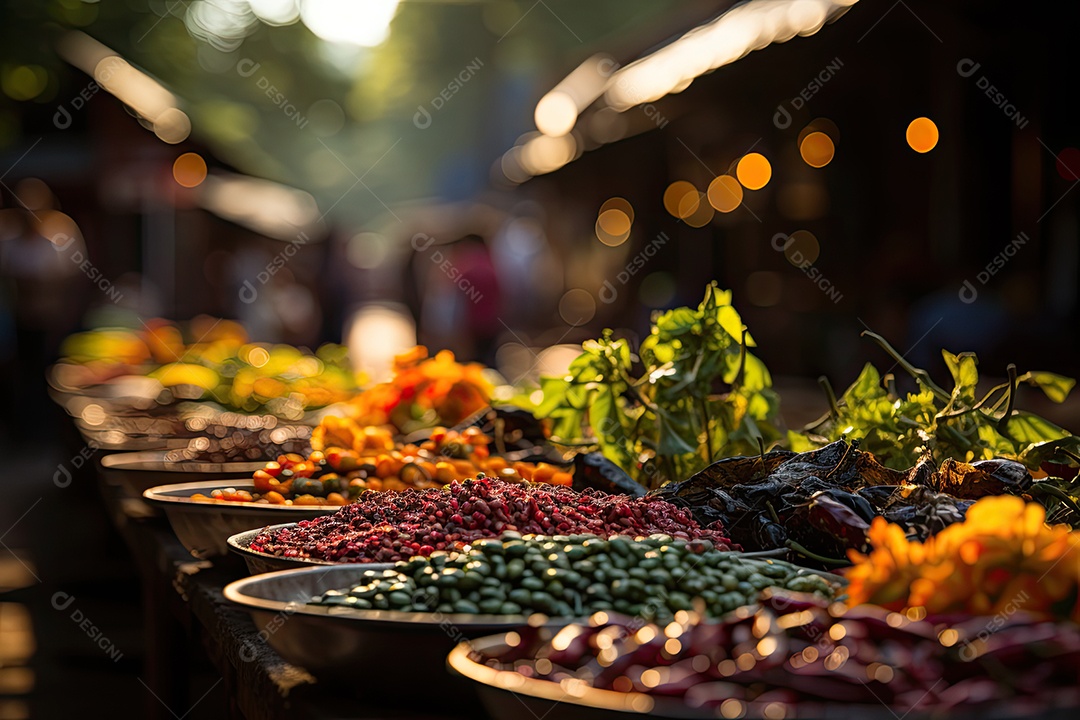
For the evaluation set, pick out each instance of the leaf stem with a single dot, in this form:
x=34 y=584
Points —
x=814 y=556
x=703 y=404
x=890 y=385
x=834 y=407
x=742 y=361
x=1003 y=423
x=918 y=373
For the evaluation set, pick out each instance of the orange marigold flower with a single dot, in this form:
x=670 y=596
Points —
x=1003 y=555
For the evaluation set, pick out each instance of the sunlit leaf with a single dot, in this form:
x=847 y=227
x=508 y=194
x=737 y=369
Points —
x=1056 y=387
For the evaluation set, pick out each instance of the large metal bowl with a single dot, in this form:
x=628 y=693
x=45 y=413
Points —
x=137 y=472
x=377 y=650
x=505 y=694
x=205 y=527
x=258 y=562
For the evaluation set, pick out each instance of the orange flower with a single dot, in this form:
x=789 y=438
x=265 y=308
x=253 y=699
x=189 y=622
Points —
x=425 y=391
x=1002 y=557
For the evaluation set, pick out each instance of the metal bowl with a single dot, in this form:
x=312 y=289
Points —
x=258 y=562
x=137 y=472
x=205 y=527
x=389 y=649
x=505 y=694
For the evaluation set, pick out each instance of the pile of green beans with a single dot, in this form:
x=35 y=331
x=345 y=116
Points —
x=575 y=576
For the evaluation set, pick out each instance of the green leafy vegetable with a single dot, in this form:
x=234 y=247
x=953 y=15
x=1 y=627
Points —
x=954 y=424
x=693 y=393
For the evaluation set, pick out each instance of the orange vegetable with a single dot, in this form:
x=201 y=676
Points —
x=562 y=478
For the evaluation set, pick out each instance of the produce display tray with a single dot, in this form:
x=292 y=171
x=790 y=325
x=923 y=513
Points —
x=336 y=644
x=205 y=527
x=137 y=472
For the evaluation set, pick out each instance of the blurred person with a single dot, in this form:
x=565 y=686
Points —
x=459 y=297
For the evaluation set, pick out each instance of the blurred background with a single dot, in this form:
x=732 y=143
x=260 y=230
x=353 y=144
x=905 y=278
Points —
x=507 y=178
x=500 y=177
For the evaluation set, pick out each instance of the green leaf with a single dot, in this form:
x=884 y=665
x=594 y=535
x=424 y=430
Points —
x=729 y=319
x=1027 y=428
x=800 y=443
x=1056 y=387
x=755 y=377
x=1035 y=455
x=965 y=374
x=675 y=435
x=865 y=387
x=604 y=416
x=554 y=390
x=577 y=396
x=677 y=322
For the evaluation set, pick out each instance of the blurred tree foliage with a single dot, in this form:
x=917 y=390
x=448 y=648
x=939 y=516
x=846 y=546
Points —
x=279 y=102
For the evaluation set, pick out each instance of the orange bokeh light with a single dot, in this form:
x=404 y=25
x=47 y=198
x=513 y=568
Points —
x=695 y=210
x=725 y=193
x=674 y=195
x=817 y=149
x=753 y=171
x=922 y=135
x=618 y=203
x=189 y=170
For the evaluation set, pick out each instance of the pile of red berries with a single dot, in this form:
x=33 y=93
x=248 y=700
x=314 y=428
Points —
x=387 y=527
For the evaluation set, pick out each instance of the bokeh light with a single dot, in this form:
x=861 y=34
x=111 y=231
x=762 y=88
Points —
x=618 y=203
x=555 y=114
x=1068 y=164
x=189 y=170
x=657 y=290
x=674 y=194
x=577 y=306
x=725 y=193
x=365 y=24
x=753 y=171
x=695 y=210
x=922 y=135
x=817 y=149
x=258 y=356
x=24 y=82
x=172 y=126
x=368 y=250
x=802 y=248
x=613 y=227
x=821 y=125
